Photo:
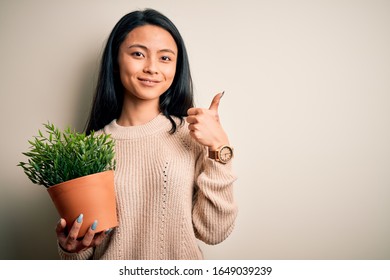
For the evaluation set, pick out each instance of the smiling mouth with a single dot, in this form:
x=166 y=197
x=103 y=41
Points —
x=148 y=81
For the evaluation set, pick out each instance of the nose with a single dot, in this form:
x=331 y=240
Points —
x=150 y=66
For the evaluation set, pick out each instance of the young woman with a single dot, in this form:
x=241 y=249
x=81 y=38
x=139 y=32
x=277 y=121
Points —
x=174 y=180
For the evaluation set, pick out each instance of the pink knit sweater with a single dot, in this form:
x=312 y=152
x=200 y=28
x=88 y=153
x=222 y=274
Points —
x=169 y=194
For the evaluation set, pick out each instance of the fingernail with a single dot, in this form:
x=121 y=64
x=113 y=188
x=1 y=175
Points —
x=222 y=93
x=108 y=231
x=94 y=225
x=80 y=218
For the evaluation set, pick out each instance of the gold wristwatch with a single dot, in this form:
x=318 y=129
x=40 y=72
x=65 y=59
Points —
x=223 y=154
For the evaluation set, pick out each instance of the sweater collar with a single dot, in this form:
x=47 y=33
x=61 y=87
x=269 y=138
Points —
x=158 y=124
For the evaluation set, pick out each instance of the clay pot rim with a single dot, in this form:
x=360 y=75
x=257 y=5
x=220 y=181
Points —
x=80 y=178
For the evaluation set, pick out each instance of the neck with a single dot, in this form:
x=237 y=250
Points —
x=138 y=113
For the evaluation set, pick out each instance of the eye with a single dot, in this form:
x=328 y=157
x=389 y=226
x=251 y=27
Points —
x=165 y=58
x=137 y=54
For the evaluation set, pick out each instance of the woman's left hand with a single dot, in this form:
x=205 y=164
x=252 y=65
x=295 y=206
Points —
x=205 y=126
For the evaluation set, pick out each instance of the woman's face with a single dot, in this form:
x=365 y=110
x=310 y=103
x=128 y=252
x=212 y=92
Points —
x=147 y=63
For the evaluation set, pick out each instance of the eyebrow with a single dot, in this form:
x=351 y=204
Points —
x=145 y=48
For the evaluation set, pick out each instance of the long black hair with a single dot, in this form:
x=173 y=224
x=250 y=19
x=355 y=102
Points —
x=108 y=99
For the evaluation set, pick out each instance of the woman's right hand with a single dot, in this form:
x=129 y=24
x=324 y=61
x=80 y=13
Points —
x=71 y=244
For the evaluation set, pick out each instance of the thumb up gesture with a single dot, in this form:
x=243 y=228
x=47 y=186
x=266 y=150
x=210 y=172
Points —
x=205 y=126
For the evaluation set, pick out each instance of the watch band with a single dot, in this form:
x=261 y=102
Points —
x=213 y=155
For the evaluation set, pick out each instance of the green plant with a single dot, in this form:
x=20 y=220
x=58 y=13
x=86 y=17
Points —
x=60 y=156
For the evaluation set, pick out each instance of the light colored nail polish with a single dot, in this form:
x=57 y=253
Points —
x=80 y=218
x=108 y=231
x=94 y=225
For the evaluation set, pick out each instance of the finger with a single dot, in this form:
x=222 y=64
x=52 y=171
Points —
x=191 y=119
x=192 y=127
x=88 y=237
x=60 y=228
x=215 y=102
x=74 y=231
x=192 y=134
x=196 y=135
x=194 y=111
x=100 y=237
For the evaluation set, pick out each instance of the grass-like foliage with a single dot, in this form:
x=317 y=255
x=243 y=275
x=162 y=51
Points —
x=59 y=156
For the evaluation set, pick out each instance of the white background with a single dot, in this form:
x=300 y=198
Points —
x=306 y=106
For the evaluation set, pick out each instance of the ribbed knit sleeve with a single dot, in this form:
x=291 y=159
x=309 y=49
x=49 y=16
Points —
x=83 y=255
x=214 y=207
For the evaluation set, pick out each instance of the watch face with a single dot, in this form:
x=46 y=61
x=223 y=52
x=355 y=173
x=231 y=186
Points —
x=225 y=154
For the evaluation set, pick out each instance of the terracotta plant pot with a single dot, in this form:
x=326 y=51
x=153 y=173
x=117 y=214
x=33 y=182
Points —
x=92 y=195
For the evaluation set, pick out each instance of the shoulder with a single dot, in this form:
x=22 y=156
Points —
x=105 y=129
